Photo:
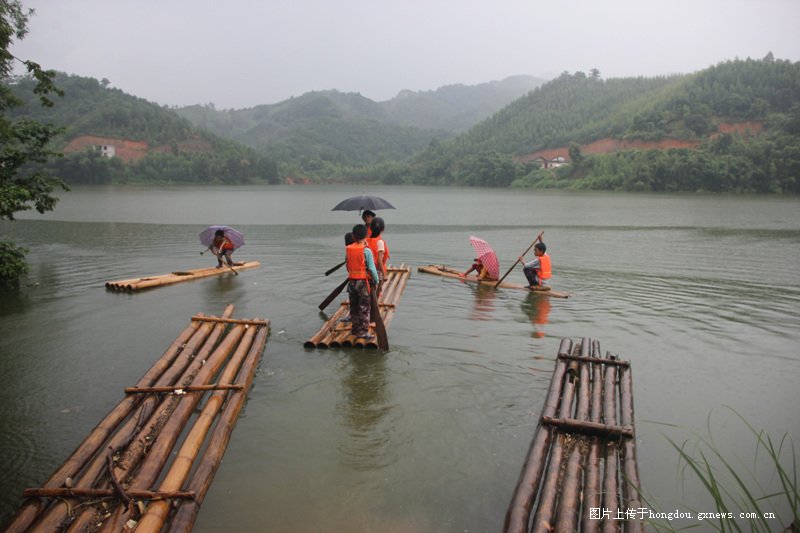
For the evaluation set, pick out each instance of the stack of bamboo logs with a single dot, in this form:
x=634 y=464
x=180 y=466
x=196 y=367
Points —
x=137 y=284
x=591 y=480
x=150 y=461
x=335 y=332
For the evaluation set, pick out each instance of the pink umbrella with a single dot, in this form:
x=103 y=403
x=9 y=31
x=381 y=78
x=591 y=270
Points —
x=486 y=255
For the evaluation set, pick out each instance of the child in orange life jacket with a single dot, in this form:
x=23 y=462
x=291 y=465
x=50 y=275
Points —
x=360 y=268
x=367 y=217
x=379 y=248
x=222 y=247
x=538 y=271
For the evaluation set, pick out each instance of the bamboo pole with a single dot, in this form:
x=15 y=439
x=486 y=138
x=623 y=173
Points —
x=610 y=485
x=29 y=510
x=156 y=514
x=545 y=511
x=569 y=501
x=178 y=389
x=591 y=490
x=617 y=362
x=230 y=320
x=159 y=452
x=519 y=510
x=583 y=427
x=101 y=493
x=630 y=469
x=200 y=482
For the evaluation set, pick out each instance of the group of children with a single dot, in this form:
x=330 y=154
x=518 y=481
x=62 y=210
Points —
x=537 y=271
x=366 y=257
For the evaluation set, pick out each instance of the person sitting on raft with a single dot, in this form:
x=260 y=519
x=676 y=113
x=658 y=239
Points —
x=222 y=247
x=480 y=268
x=538 y=271
x=360 y=267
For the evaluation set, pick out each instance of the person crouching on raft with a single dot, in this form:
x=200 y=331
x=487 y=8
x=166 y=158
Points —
x=360 y=268
x=222 y=247
x=379 y=249
x=480 y=268
x=538 y=271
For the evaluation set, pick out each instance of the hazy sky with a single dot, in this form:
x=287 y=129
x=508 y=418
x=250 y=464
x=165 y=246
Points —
x=241 y=53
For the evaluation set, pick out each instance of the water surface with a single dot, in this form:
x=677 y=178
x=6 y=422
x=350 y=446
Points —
x=700 y=293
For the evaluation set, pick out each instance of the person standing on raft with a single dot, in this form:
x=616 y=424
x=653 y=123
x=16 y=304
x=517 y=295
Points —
x=360 y=268
x=379 y=249
x=367 y=216
x=538 y=271
x=222 y=247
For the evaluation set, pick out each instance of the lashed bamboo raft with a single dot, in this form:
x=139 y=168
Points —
x=137 y=284
x=335 y=332
x=147 y=466
x=582 y=459
x=448 y=272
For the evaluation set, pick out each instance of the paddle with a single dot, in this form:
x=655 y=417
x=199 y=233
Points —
x=538 y=238
x=380 y=327
x=334 y=269
x=332 y=296
x=217 y=256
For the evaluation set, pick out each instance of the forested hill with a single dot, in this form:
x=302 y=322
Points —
x=323 y=131
x=699 y=110
x=152 y=143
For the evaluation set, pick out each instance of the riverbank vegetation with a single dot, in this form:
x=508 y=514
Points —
x=23 y=143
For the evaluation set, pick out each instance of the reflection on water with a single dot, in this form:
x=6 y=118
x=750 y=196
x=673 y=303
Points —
x=537 y=308
x=364 y=408
x=484 y=302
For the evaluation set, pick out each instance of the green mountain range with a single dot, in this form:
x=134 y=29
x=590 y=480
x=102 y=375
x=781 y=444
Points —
x=324 y=129
x=732 y=127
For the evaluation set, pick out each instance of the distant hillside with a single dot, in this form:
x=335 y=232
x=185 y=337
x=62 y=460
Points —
x=456 y=108
x=150 y=143
x=324 y=130
x=705 y=109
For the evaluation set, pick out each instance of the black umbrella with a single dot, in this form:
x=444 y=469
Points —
x=360 y=203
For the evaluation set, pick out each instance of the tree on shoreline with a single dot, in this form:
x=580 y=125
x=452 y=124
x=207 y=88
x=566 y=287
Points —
x=21 y=142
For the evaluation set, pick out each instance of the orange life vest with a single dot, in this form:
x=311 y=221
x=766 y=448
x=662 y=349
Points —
x=544 y=267
x=373 y=245
x=356 y=262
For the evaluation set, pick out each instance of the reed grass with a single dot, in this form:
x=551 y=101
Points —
x=736 y=489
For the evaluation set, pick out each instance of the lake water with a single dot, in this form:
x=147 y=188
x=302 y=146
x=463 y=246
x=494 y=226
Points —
x=700 y=293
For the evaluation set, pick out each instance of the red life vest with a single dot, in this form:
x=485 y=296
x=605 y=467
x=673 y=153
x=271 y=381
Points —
x=545 y=270
x=373 y=245
x=356 y=262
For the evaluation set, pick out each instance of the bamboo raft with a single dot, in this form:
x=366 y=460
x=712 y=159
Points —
x=588 y=449
x=137 y=284
x=448 y=272
x=335 y=332
x=147 y=466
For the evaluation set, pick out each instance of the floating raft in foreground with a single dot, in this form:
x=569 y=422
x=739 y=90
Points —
x=447 y=272
x=335 y=332
x=137 y=284
x=146 y=467
x=582 y=459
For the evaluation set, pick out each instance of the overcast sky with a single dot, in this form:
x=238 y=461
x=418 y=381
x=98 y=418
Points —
x=240 y=53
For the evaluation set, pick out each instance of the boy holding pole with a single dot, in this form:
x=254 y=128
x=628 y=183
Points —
x=360 y=268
